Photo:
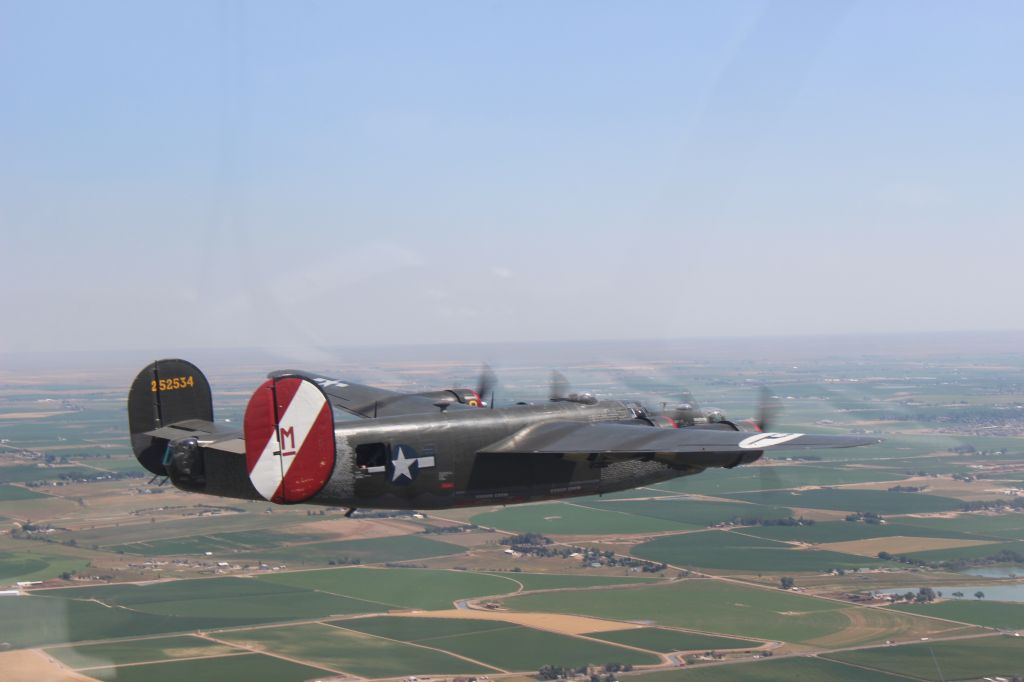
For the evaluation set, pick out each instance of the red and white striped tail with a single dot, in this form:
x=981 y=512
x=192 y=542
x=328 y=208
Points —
x=289 y=439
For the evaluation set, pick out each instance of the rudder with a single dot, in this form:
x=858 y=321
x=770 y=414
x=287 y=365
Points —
x=163 y=393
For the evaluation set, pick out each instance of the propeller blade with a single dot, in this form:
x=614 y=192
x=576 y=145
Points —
x=559 y=386
x=486 y=382
x=768 y=410
x=768 y=475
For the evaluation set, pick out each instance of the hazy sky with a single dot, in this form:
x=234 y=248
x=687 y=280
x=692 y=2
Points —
x=185 y=174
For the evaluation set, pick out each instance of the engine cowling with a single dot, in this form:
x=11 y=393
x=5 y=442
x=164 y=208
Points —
x=464 y=396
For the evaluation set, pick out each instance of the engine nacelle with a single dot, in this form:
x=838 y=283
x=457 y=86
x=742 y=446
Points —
x=464 y=396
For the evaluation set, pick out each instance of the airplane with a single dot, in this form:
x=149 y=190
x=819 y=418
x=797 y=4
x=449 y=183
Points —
x=431 y=450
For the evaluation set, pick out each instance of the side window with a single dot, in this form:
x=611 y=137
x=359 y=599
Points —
x=372 y=457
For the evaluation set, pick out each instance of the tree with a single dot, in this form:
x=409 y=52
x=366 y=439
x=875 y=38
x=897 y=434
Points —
x=786 y=582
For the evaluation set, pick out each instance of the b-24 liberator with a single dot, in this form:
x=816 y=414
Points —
x=429 y=450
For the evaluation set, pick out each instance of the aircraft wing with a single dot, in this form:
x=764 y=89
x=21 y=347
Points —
x=691 y=447
x=368 y=401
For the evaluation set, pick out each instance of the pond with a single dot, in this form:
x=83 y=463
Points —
x=994 y=592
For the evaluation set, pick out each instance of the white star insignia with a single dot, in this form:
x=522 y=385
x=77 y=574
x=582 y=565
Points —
x=401 y=466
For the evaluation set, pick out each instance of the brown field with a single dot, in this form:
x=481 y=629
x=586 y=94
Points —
x=946 y=487
x=470 y=540
x=897 y=544
x=565 y=624
x=875 y=625
x=355 y=529
x=30 y=665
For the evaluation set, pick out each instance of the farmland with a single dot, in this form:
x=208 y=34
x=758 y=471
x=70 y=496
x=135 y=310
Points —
x=736 y=551
x=1001 y=615
x=145 y=582
x=363 y=655
x=574 y=519
x=251 y=667
x=500 y=645
x=666 y=641
x=784 y=670
x=712 y=606
x=971 y=658
x=138 y=651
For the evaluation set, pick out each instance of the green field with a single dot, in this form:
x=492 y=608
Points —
x=137 y=651
x=128 y=533
x=244 y=600
x=667 y=641
x=396 y=587
x=970 y=658
x=878 y=501
x=352 y=652
x=409 y=629
x=1003 y=527
x=70 y=615
x=507 y=646
x=993 y=614
x=559 y=518
x=733 y=551
x=35 y=621
x=24 y=473
x=248 y=667
x=552 y=581
x=30 y=565
x=695 y=513
x=375 y=550
x=11 y=493
x=779 y=670
x=221 y=543
x=843 y=531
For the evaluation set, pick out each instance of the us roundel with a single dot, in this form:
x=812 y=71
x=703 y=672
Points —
x=289 y=439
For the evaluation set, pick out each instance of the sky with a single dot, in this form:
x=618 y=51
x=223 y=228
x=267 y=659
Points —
x=181 y=174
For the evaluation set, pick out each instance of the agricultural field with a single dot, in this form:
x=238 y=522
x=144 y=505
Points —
x=965 y=659
x=368 y=551
x=552 y=581
x=504 y=646
x=575 y=519
x=985 y=526
x=778 y=670
x=222 y=543
x=396 y=588
x=733 y=609
x=739 y=552
x=852 y=500
x=172 y=611
x=666 y=641
x=847 y=531
x=30 y=565
x=344 y=650
x=247 y=666
x=697 y=513
x=13 y=493
x=138 y=651
x=992 y=614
